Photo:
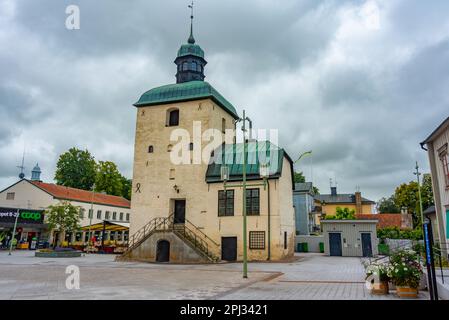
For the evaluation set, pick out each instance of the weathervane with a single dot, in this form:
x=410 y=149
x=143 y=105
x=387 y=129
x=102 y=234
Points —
x=191 y=39
x=21 y=167
x=191 y=7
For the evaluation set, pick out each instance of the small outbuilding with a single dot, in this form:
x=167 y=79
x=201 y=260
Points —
x=350 y=238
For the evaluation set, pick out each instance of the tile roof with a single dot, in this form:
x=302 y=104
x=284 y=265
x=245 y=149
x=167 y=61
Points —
x=67 y=193
x=386 y=219
x=341 y=198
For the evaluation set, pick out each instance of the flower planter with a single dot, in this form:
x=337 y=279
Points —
x=380 y=288
x=406 y=292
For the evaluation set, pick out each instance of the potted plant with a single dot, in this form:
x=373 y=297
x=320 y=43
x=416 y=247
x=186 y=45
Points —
x=377 y=278
x=405 y=273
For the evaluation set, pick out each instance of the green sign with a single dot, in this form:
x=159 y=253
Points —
x=30 y=215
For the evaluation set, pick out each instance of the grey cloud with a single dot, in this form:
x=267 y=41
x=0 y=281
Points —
x=363 y=120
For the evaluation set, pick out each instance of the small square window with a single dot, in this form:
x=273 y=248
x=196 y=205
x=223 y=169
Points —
x=257 y=240
x=10 y=195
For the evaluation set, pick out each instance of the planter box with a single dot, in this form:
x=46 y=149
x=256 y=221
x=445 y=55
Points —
x=56 y=254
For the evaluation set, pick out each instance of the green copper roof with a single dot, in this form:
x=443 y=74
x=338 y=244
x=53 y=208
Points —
x=185 y=91
x=190 y=49
x=259 y=152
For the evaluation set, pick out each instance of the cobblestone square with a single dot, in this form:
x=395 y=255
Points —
x=309 y=276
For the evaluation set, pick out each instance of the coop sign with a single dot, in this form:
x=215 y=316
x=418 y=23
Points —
x=9 y=215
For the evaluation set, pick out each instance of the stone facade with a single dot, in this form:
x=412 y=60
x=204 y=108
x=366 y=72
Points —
x=157 y=182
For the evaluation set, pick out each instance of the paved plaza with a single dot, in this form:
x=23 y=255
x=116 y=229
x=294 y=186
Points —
x=308 y=276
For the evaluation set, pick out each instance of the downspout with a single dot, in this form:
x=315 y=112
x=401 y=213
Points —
x=269 y=220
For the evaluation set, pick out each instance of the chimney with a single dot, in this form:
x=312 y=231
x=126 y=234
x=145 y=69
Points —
x=333 y=191
x=358 y=202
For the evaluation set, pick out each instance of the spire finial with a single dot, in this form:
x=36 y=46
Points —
x=191 y=38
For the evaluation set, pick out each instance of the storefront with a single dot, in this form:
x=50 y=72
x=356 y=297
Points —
x=30 y=231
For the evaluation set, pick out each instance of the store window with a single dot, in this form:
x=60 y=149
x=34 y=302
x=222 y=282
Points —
x=252 y=202
x=257 y=240
x=10 y=195
x=225 y=203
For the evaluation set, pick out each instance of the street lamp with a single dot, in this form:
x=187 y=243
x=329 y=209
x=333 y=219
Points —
x=303 y=154
x=91 y=214
x=225 y=175
x=13 y=232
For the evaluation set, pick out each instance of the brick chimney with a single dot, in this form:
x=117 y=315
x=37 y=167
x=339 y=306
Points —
x=333 y=191
x=358 y=202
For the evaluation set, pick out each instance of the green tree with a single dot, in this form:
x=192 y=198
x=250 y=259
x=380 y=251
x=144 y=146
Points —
x=126 y=187
x=63 y=218
x=108 y=179
x=316 y=190
x=388 y=205
x=406 y=196
x=76 y=169
x=299 y=177
x=342 y=214
x=427 y=191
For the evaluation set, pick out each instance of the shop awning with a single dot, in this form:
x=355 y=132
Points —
x=108 y=226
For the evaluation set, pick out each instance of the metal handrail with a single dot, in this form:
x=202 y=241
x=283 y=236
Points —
x=202 y=233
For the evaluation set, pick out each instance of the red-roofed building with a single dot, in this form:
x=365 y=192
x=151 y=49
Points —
x=36 y=196
x=402 y=221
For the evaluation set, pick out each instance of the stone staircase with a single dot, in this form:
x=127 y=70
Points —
x=187 y=232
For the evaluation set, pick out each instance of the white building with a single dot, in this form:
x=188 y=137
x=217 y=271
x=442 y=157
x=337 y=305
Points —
x=35 y=196
x=437 y=147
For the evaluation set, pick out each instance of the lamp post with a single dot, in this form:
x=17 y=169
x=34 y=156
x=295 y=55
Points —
x=91 y=214
x=303 y=154
x=225 y=176
x=13 y=232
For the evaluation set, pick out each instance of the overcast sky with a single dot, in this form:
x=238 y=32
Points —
x=360 y=83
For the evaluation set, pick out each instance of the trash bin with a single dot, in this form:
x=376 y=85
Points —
x=299 y=247
x=322 y=247
x=305 y=247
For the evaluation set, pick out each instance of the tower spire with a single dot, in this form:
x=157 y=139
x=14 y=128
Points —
x=191 y=39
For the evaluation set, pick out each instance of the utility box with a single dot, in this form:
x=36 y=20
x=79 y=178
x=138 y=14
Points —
x=350 y=238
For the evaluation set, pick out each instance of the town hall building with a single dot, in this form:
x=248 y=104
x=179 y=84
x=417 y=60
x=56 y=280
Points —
x=183 y=213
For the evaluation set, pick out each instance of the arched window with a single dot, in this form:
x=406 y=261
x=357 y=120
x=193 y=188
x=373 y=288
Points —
x=172 y=117
x=150 y=149
x=191 y=146
x=169 y=148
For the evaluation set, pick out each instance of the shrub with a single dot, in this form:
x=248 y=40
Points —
x=380 y=270
x=405 y=268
